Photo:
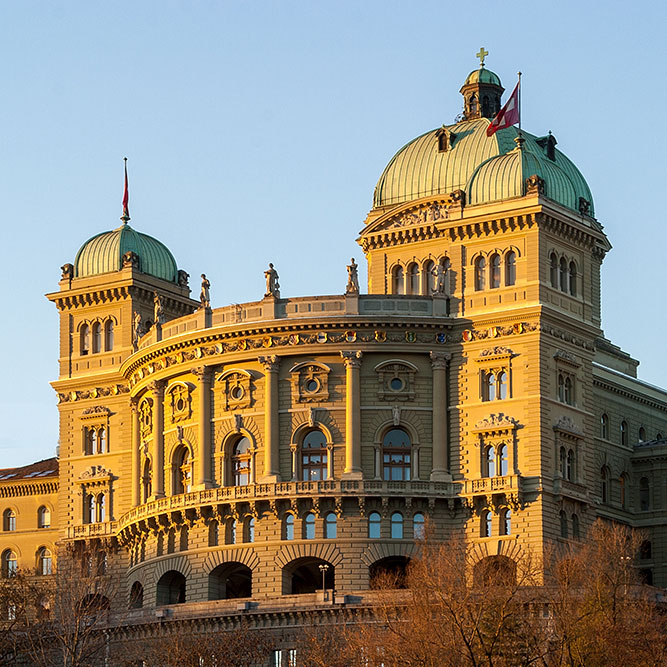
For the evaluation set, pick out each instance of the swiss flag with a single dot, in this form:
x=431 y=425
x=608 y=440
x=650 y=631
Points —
x=508 y=115
x=126 y=196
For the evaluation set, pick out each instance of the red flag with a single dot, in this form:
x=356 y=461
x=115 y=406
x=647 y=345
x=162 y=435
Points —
x=126 y=196
x=508 y=115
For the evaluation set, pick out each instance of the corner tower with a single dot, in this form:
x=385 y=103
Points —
x=502 y=228
x=122 y=284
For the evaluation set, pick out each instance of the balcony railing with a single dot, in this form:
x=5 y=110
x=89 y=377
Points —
x=229 y=494
x=490 y=485
x=104 y=529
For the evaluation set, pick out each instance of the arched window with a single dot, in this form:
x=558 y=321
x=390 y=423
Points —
x=604 y=427
x=502 y=460
x=90 y=514
x=645 y=550
x=563 y=274
x=480 y=269
x=489 y=461
x=554 y=270
x=241 y=462
x=101 y=507
x=430 y=278
x=97 y=337
x=374 y=524
x=84 y=339
x=249 y=529
x=288 y=527
x=330 y=526
x=510 y=268
x=44 y=562
x=562 y=458
x=570 y=465
x=9 y=520
x=231 y=536
x=644 y=495
x=314 y=456
x=575 y=526
x=43 y=517
x=396 y=450
x=573 y=279
x=494 y=271
x=146 y=482
x=506 y=522
x=624 y=433
x=489 y=386
x=413 y=272
x=182 y=471
x=486 y=526
x=9 y=563
x=213 y=534
x=604 y=484
x=622 y=481
x=396 y=526
x=561 y=388
x=568 y=392
x=102 y=441
x=136 y=596
x=418 y=524
x=446 y=276
x=92 y=436
x=563 y=524
x=502 y=385
x=309 y=526
x=108 y=335
x=473 y=103
x=642 y=434
x=398 y=280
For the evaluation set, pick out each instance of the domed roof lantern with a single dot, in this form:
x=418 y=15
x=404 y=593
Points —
x=481 y=91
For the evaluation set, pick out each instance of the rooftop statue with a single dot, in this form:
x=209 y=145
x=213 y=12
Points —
x=272 y=284
x=205 y=294
x=352 y=278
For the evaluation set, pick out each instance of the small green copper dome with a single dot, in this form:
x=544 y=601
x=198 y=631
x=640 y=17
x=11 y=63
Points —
x=104 y=253
x=422 y=169
x=483 y=75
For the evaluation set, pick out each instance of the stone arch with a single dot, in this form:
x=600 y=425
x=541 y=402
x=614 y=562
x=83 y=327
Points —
x=176 y=437
x=231 y=371
x=511 y=248
x=306 y=575
x=228 y=427
x=407 y=421
x=322 y=418
x=246 y=557
x=480 y=253
x=310 y=549
x=378 y=551
x=179 y=564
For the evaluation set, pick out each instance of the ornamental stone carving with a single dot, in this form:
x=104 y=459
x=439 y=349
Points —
x=496 y=422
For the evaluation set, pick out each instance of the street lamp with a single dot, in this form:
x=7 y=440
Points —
x=625 y=561
x=323 y=569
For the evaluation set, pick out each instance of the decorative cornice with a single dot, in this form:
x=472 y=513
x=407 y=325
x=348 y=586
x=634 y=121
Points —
x=496 y=422
x=96 y=392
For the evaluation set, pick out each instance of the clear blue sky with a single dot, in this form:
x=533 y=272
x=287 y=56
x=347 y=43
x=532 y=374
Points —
x=256 y=131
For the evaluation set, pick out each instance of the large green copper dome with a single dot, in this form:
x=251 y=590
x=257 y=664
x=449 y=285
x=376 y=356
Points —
x=104 y=253
x=471 y=161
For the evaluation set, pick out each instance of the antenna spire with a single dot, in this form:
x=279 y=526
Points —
x=126 y=199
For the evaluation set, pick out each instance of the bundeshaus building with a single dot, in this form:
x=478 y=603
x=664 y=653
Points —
x=245 y=457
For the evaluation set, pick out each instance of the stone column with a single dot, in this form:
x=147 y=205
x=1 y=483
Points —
x=203 y=471
x=157 y=388
x=271 y=419
x=352 y=360
x=136 y=454
x=440 y=471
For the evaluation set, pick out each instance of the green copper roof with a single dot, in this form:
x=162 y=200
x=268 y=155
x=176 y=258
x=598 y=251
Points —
x=104 y=253
x=419 y=169
x=483 y=75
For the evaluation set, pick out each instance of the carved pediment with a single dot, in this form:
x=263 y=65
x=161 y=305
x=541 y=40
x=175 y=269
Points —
x=95 y=472
x=567 y=425
x=496 y=422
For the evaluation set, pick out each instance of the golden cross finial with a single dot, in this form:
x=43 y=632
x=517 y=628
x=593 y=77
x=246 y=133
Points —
x=481 y=55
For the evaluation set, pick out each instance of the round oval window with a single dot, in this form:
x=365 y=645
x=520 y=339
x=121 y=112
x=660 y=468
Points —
x=312 y=385
x=396 y=384
x=237 y=392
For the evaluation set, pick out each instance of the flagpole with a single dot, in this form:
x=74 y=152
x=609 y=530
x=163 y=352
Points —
x=519 y=73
